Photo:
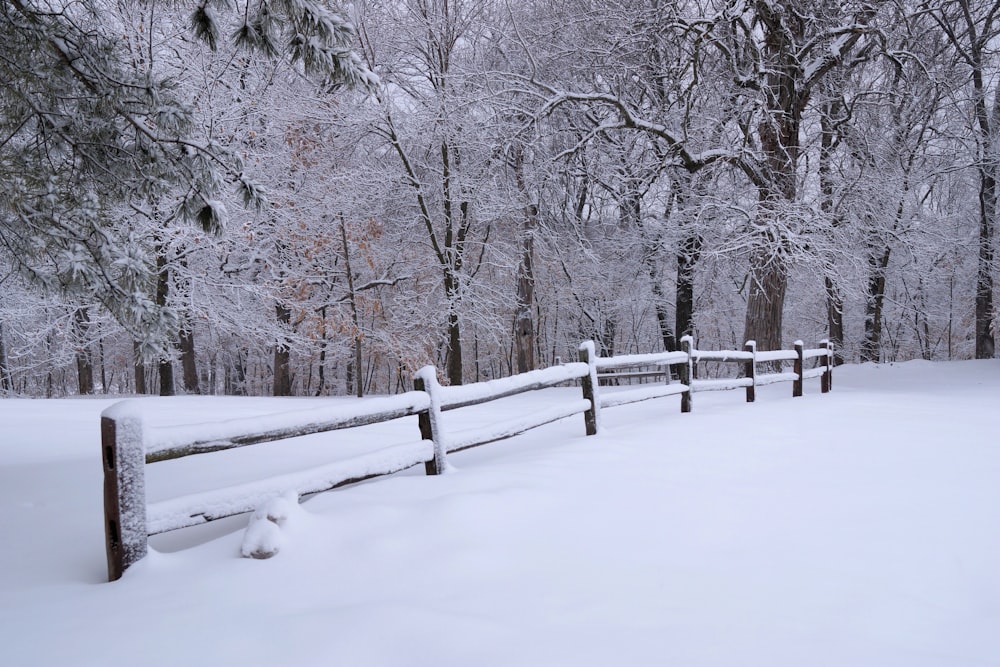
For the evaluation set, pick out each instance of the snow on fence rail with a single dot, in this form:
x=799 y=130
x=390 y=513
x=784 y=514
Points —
x=128 y=444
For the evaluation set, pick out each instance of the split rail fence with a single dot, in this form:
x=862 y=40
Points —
x=128 y=445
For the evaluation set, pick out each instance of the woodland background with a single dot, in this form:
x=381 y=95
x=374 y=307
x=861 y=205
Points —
x=284 y=197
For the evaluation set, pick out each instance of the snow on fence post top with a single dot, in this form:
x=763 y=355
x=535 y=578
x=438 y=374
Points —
x=592 y=417
x=123 y=454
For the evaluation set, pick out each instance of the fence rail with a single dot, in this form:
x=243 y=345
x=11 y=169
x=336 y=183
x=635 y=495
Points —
x=128 y=445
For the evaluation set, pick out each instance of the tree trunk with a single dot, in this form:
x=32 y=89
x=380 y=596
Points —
x=985 y=344
x=6 y=383
x=282 y=356
x=835 y=320
x=188 y=360
x=166 y=377
x=321 y=367
x=524 y=321
x=453 y=359
x=831 y=117
x=871 y=347
x=162 y=295
x=765 y=303
x=139 y=366
x=631 y=204
x=238 y=373
x=359 y=385
x=687 y=259
x=84 y=359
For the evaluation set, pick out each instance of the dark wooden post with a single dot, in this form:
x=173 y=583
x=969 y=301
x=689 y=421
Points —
x=686 y=374
x=826 y=380
x=124 y=457
x=797 y=369
x=588 y=355
x=430 y=420
x=424 y=422
x=751 y=370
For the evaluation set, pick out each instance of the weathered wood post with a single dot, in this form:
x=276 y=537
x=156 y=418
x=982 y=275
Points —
x=591 y=417
x=430 y=421
x=826 y=380
x=751 y=370
x=687 y=347
x=124 y=458
x=797 y=369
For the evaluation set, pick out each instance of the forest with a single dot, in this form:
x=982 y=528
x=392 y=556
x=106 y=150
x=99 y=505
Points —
x=293 y=197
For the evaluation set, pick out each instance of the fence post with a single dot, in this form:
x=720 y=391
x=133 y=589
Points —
x=797 y=369
x=686 y=374
x=124 y=458
x=751 y=370
x=826 y=380
x=430 y=421
x=592 y=417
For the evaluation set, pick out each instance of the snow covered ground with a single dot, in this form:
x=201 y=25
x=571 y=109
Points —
x=859 y=528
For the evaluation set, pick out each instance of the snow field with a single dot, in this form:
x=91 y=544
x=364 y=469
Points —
x=860 y=527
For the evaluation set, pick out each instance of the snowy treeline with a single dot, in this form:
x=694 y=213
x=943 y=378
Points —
x=290 y=197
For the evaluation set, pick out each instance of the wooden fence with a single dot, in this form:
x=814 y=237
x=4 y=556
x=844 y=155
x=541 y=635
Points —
x=128 y=444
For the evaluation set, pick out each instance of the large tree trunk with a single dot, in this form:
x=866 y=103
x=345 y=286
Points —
x=139 y=367
x=282 y=355
x=687 y=259
x=84 y=359
x=765 y=303
x=831 y=117
x=524 y=320
x=162 y=294
x=985 y=343
x=631 y=204
x=189 y=360
x=871 y=347
x=354 y=369
x=778 y=132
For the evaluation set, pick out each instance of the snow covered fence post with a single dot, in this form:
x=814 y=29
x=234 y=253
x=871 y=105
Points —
x=826 y=380
x=797 y=369
x=124 y=457
x=591 y=417
x=751 y=370
x=430 y=421
x=687 y=346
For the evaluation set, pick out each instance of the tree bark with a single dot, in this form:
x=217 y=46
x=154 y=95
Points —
x=6 y=382
x=84 y=359
x=765 y=303
x=282 y=356
x=687 y=259
x=189 y=360
x=985 y=343
x=139 y=367
x=162 y=295
x=524 y=320
x=359 y=384
x=871 y=347
x=831 y=117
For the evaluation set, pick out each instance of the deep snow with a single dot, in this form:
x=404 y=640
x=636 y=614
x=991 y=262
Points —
x=858 y=528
